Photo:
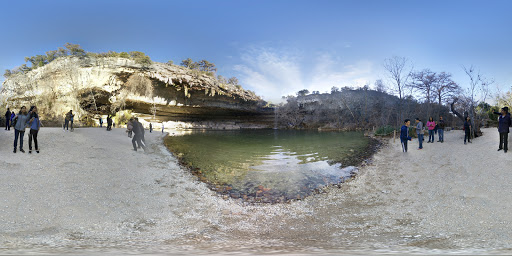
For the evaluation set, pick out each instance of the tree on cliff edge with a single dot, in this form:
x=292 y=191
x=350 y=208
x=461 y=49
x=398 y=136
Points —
x=75 y=49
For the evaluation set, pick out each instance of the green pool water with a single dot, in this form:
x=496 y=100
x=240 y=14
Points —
x=268 y=165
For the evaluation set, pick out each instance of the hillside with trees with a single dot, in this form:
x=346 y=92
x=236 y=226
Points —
x=409 y=94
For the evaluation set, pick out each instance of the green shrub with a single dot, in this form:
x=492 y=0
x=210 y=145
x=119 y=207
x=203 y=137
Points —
x=384 y=130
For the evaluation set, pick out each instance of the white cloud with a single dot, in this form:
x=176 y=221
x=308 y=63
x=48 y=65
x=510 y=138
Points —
x=274 y=74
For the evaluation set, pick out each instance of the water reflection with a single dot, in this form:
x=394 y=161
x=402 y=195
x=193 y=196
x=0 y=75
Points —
x=268 y=165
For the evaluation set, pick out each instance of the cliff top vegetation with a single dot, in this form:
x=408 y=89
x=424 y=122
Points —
x=197 y=67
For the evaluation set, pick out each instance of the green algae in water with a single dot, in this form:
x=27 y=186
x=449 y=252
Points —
x=268 y=165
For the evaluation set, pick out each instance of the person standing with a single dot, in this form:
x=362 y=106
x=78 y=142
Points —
x=101 y=122
x=71 y=119
x=129 y=128
x=504 y=122
x=35 y=125
x=8 y=120
x=138 y=131
x=431 y=125
x=67 y=119
x=162 y=127
x=109 y=123
x=150 y=128
x=440 y=129
x=419 y=132
x=12 y=116
x=467 y=130
x=21 y=121
x=404 y=134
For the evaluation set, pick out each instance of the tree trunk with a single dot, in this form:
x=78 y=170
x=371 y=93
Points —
x=474 y=123
x=461 y=117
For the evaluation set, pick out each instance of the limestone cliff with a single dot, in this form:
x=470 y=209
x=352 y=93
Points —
x=100 y=86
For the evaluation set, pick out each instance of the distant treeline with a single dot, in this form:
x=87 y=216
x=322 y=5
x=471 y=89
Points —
x=349 y=108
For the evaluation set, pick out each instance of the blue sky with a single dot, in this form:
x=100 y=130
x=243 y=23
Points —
x=275 y=47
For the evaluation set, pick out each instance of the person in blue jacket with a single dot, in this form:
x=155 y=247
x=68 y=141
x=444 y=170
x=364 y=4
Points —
x=504 y=122
x=404 y=134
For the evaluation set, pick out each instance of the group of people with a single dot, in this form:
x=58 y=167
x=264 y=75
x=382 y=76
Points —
x=30 y=119
x=69 y=117
x=504 y=122
x=24 y=119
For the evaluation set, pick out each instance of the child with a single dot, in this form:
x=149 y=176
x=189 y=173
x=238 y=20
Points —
x=404 y=134
x=431 y=125
x=467 y=129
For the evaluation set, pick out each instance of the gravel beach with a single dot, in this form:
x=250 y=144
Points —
x=88 y=192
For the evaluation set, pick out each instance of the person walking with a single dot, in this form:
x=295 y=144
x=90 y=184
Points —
x=504 y=122
x=431 y=125
x=8 y=120
x=467 y=130
x=35 y=125
x=440 y=129
x=404 y=134
x=138 y=131
x=21 y=122
x=419 y=132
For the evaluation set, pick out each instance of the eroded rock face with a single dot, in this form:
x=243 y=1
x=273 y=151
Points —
x=101 y=86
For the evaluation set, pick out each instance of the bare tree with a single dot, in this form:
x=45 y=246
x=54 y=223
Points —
x=445 y=88
x=424 y=82
x=380 y=86
x=399 y=71
x=477 y=92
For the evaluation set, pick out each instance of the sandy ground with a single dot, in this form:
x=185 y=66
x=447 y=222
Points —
x=87 y=192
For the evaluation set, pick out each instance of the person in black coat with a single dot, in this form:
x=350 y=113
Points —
x=504 y=122
x=7 y=119
x=138 y=135
x=467 y=130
